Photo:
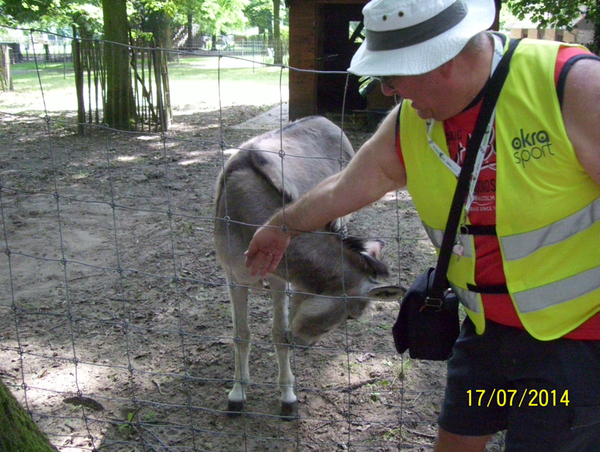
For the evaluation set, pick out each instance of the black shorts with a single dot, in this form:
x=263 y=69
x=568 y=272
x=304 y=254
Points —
x=545 y=394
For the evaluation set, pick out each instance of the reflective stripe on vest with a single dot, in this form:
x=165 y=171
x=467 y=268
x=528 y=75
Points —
x=469 y=299
x=558 y=292
x=519 y=246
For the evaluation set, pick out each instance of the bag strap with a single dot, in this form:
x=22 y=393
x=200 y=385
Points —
x=493 y=89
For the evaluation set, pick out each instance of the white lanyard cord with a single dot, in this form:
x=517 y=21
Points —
x=485 y=141
x=453 y=166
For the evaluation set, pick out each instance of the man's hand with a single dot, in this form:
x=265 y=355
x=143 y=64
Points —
x=266 y=250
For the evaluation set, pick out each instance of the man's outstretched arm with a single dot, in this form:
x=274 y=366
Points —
x=374 y=171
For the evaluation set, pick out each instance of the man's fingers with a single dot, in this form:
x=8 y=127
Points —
x=257 y=264
x=249 y=259
x=274 y=263
x=265 y=251
x=269 y=264
x=266 y=267
x=262 y=263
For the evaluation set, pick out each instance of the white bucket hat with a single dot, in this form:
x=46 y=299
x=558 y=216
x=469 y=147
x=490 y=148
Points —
x=410 y=37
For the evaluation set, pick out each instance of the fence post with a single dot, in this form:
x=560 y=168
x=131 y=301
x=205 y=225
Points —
x=78 y=71
x=6 y=83
x=161 y=106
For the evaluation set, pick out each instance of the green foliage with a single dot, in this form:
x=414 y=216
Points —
x=28 y=10
x=221 y=16
x=215 y=16
x=554 y=14
x=169 y=7
x=149 y=21
x=260 y=14
x=52 y=13
x=559 y=14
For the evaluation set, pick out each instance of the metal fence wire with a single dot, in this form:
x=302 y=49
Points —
x=115 y=324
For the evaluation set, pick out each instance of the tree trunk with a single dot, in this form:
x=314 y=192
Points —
x=190 y=31
x=18 y=432
x=278 y=47
x=119 y=111
x=6 y=83
x=160 y=26
x=78 y=71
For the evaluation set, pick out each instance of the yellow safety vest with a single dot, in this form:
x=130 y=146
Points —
x=547 y=206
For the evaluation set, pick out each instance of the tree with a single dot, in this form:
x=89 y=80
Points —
x=52 y=13
x=154 y=19
x=28 y=11
x=19 y=432
x=559 y=14
x=214 y=16
x=260 y=14
x=278 y=54
x=119 y=111
x=265 y=14
x=191 y=11
x=222 y=16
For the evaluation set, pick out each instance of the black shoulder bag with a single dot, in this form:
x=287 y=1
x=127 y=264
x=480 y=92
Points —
x=428 y=323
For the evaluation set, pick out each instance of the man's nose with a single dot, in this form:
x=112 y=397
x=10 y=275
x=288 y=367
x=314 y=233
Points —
x=390 y=86
x=387 y=90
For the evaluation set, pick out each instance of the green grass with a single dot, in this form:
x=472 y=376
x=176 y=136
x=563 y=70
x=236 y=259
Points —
x=54 y=76
x=195 y=84
x=233 y=69
x=203 y=81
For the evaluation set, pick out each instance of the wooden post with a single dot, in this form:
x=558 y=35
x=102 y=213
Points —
x=78 y=71
x=6 y=83
x=163 y=116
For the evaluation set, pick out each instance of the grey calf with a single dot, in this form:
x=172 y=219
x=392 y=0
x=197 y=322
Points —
x=330 y=278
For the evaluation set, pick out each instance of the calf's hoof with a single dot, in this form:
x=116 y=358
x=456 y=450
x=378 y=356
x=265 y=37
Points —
x=235 y=408
x=289 y=411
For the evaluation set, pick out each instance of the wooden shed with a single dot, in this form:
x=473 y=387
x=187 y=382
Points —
x=324 y=35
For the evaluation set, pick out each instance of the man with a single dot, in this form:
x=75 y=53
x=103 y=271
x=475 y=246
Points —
x=528 y=358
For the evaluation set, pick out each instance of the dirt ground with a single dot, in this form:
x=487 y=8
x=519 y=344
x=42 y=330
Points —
x=115 y=326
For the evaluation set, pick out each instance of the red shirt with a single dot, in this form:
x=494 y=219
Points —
x=488 y=260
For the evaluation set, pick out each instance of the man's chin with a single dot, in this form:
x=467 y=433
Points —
x=425 y=114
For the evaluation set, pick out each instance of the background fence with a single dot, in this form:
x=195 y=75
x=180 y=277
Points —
x=115 y=328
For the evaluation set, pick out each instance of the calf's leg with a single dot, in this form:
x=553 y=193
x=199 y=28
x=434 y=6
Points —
x=280 y=333
x=241 y=342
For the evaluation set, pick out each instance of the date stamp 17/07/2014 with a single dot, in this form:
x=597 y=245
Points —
x=517 y=398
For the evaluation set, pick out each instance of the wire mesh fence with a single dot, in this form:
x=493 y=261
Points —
x=115 y=324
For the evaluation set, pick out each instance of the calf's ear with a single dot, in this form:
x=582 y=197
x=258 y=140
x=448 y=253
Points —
x=387 y=292
x=373 y=248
